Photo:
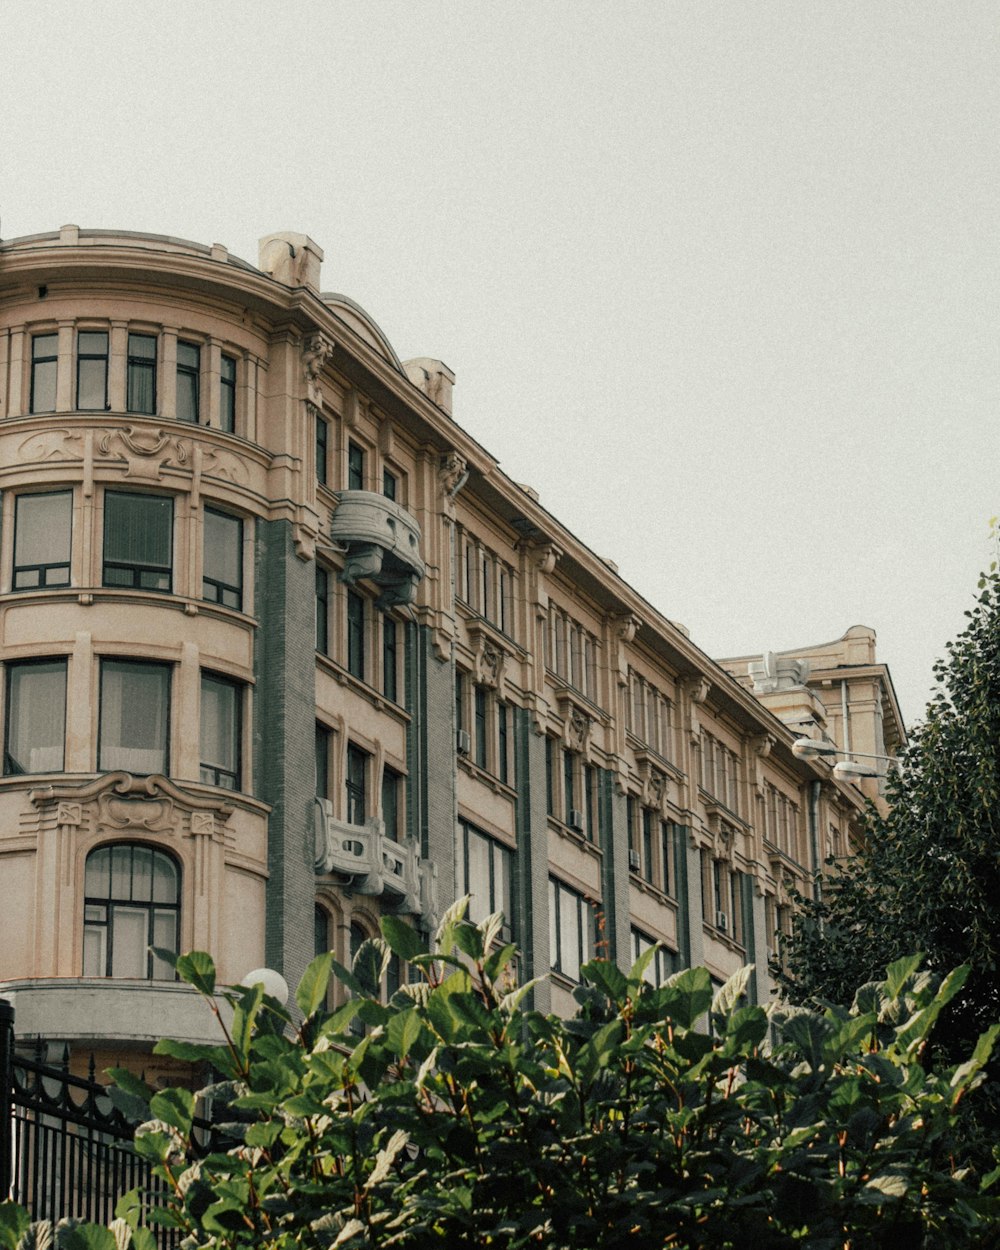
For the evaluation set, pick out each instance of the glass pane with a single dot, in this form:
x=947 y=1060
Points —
x=218 y=724
x=36 y=718
x=223 y=548
x=98 y=875
x=43 y=527
x=138 y=529
x=321 y=931
x=188 y=355
x=121 y=873
x=92 y=342
x=142 y=346
x=164 y=936
x=501 y=881
x=142 y=874
x=94 y=950
x=187 y=396
x=92 y=378
x=478 y=885
x=134 y=713
x=569 y=945
x=43 y=386
x=164 y=879
x=553 y=924
x=128 y=941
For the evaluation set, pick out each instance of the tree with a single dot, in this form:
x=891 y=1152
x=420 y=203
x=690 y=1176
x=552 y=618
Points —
x=462 y=1119
x=928 y=876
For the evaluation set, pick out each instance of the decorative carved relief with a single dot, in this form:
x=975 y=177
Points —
x=453 y=469
x=696 y=688
x=545 y=556
x=51 y=445
x=654 y=785
x=316 y=351
x=144 y=451
x=119 y=801
x=69 y=814
x=224 y=465
x=626 y=625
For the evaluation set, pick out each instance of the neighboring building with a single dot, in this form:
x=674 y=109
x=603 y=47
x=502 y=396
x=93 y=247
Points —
x=284 y=649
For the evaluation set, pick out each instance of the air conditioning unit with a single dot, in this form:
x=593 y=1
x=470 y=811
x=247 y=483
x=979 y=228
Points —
x=576 y=820
x=721 y=921
x=463 y=742
x=633 y=861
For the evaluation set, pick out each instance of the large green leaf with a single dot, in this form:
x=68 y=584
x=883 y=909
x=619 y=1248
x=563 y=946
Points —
x=311 y=992
x=403 y=939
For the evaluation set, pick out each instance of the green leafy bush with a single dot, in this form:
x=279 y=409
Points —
x=655 y=1117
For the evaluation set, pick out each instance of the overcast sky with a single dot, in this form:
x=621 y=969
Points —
x=719 y=280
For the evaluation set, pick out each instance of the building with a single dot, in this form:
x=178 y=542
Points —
x=284 y=649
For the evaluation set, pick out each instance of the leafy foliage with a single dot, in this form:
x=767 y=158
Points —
x=928 y=878
x=656 y=1116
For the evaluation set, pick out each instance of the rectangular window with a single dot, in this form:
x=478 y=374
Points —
x=227 y=394
x=631 y=821
x=43 y=527
x=503 y=747
x=480 y=708
x=138 y=540
x=141 y=377
x=355 y=467
x=390 y=802
x=663 y=964
x=222 y=577
x=135 y=717
x=44 y=364
x=569 y=785
x=390 y=659
x=667 y=879
x=571 y=930
x=504 y=621
x=590 y=802
x=92 y=370
x=390 y=484
x=459 y=701
x=647 y=844
x=323 y=737
x=550 y=780
x=188 y=381
x=356 y=785
x=36 y=717
x=355 y=635
x=221 y=731
x=322 y=450
x=322 y=610
x=484 y=873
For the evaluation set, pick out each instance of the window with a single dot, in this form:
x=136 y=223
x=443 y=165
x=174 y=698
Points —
x=356 y=785
x=132 y=902
x=321 y=930
x=480 y=715
x=43 y=526
x=647 y=844
x=391 y=782
x=459 y=701
x=135 y=717
x=322 y=450
x=36 y=717
x=649 y=715
x=188 y=380
x=722 y=896
x=227 y=394
x=571 y=653
x=92 y=370
x=571 y=929
x=44 y=364
x=356 y=635
x=569 y=787
x=661 y=967
x=590 y=803
x=668 y=871
x=550 y=779
x=390 y=659
x=138 y=541
x=390 y=484
x=484 y=873
x=221 y=731
x=485 y=582
x=322 y=610
x=503 y=742
x=355 y=467
x=222 y=575
x=141 y=376
x=323 y=738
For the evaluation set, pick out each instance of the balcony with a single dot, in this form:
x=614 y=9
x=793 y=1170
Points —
x=375 y=863
x=383 y=545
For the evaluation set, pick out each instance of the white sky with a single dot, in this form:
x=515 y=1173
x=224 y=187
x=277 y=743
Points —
x=719 y=280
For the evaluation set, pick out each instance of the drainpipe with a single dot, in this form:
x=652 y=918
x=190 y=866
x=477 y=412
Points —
x=844 y=717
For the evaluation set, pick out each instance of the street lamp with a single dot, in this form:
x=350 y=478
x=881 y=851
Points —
x=811 y=749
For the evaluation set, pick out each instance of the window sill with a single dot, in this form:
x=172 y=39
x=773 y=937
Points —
x=486 y=777
x=723 y=939
x=575 y=836
x=654 y=891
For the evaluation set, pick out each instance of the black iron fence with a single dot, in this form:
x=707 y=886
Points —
x=65 y=1149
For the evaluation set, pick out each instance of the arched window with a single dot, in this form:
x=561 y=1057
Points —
x=131 y=902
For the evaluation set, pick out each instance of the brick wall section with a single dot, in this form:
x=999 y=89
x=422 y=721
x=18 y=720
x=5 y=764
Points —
x=284 y=743
x=531 y=871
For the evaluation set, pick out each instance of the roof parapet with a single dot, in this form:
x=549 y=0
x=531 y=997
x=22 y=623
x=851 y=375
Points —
x=291 y=259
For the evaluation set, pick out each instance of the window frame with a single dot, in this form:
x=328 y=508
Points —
x=500 y=872
x=137 y=366
x=586 y=927
x=217 y=584
x=107 y=663
x=190 y=374
x=227 y=393
x=220 y=775
x=356 y=635
x=151 y=908
x=390 y=658
x=82 y=356
x=357 y=466
x=36 y=361
x=16 y=668
x=356 y=784
x=137 y=569
x=43 y=582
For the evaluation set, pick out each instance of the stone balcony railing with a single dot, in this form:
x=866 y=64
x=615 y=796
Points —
x=382 y=542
